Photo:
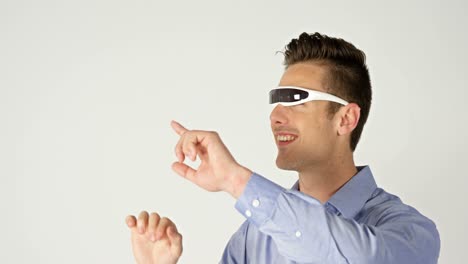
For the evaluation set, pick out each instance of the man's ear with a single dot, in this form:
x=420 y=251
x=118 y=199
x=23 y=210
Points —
x=349 y=117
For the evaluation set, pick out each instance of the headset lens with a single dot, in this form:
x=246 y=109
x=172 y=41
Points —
x=287 y=95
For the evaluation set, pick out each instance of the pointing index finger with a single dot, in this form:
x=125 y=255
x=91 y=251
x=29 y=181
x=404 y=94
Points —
x=178 y=128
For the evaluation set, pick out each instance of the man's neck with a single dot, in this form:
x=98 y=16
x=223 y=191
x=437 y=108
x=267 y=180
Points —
x=324 y=181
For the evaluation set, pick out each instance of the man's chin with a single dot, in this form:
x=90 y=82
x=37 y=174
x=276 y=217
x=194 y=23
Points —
x=285 y=165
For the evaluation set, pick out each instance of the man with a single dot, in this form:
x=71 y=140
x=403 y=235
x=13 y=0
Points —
x=335 y=213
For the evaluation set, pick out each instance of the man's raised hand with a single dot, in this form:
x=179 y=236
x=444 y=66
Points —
x=218 y=170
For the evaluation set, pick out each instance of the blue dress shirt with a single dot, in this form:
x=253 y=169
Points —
x=360 y=224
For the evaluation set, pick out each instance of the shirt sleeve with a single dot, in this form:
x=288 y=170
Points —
x=304 y=231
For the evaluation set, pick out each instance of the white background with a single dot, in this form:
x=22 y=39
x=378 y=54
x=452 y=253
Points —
x=88 y=89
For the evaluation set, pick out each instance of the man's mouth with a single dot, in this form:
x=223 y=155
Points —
x=285 y=139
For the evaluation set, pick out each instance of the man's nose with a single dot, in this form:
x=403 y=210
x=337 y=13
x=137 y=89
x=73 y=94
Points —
x=278 y=115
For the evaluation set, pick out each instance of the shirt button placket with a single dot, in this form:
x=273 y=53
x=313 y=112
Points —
x=298 y=233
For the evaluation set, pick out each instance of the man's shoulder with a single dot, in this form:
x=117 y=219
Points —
x=384 y=207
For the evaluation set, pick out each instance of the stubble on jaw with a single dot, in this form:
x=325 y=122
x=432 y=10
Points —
x=299 y=160
x=289 y=161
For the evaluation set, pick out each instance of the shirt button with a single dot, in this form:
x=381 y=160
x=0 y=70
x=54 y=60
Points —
x=298 y=233
x=248 y=213
x=255 y=203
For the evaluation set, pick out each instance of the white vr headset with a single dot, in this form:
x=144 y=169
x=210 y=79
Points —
x=292 y=95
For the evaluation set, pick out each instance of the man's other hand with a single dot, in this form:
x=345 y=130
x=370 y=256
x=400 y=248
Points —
x=155 y=240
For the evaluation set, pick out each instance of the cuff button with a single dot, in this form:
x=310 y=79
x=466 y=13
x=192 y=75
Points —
x=255 y=203
x=248 y=213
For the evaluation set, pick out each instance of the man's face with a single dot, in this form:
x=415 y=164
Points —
x=304 y=134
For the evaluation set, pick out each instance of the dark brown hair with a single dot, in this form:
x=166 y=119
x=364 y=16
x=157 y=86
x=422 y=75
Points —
x=348 y=76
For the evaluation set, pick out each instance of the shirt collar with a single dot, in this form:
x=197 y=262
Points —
x=352 y=196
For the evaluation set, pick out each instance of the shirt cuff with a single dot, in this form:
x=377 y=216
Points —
x=258 y=199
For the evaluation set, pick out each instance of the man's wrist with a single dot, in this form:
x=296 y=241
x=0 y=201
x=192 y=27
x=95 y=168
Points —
x=238 y=181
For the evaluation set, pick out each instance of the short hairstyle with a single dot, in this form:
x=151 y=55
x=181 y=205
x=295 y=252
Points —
x=347 y=74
